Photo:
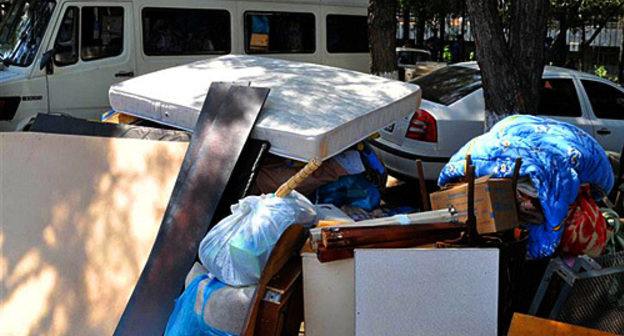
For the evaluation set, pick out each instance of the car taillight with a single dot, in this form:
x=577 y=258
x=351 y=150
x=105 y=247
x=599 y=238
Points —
x=422 y=127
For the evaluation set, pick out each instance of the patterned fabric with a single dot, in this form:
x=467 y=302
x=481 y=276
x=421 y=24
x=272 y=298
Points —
x=558 y=157
x=585 y=228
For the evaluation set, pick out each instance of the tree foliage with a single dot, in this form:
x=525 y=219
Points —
x=578 y=14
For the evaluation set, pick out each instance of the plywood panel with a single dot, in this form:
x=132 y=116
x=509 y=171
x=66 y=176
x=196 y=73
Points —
x=426 y=292
x=78 y=217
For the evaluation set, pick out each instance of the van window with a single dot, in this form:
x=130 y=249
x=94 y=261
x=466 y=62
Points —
x=279 y=33
x=66 y=44
x=347 y=33
x=101 y=32
x=177 y=31
x=558 y=98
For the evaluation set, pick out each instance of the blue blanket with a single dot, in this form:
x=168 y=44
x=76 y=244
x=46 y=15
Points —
x=557 y=156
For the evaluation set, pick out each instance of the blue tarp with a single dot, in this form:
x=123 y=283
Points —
x=557 y=156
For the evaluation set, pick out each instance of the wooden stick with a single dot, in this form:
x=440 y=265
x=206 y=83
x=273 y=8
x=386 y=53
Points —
x=424 y=195
x=296 y=180
x=471 y=222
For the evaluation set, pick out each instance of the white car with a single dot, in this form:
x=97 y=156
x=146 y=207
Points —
x=452 y=113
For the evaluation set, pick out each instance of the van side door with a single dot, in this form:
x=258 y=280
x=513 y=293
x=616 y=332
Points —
x=93 y=50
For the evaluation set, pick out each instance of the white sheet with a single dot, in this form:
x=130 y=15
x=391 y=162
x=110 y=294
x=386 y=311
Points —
x=312 y=110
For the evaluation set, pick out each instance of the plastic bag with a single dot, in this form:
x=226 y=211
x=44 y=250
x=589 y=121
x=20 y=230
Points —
x=238 y=247
x=188 y=316
x=354 y=190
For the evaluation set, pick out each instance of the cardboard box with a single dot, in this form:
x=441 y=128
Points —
x=495 y=206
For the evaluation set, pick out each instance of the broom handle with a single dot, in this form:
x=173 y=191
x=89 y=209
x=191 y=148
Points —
x=294 y=181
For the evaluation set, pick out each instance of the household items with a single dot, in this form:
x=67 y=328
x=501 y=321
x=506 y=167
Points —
x=556 y=156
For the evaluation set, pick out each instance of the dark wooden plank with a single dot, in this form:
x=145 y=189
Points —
x=56 y=124
x=325 y=254
x=214 y=100
x=214 y=151
x=342 y=237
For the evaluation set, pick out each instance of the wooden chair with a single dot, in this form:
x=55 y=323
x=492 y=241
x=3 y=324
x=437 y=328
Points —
x=277 y=306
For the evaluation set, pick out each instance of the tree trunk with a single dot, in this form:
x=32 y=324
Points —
x=406 y=27
x=511 y=69
x=463 y=31
x=558 y=52
x=442 y=35
x=621 y=65
x=382 y=37
x=420 y=28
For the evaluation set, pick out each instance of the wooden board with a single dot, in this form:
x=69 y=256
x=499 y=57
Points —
x=522 y=325
x=78 y=217
x=217 y=145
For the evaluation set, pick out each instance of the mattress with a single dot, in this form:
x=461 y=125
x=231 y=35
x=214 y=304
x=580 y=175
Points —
x=312 y=110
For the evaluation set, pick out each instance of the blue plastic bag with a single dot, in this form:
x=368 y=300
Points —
x=354 y=190
x=186 y=320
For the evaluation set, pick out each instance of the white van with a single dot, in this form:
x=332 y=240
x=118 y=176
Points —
x=61 y=56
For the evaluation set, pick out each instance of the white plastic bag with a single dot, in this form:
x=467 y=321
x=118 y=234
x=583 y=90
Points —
x=238 y=247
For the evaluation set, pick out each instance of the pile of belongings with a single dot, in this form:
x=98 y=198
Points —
x=350 y=180
x=563 y=165
x=234 y=254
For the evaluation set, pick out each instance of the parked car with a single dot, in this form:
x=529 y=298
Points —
x=416 y=62
x=60 y=57
x=452 y=112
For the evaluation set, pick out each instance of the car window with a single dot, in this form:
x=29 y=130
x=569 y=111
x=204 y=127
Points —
x=558 y=98
x=66 y=44
x=449 y=84
x=421 y=57
x=279 y=33
x=607 y=102
x=101 y=32
x=180 y=31
x=347 y=33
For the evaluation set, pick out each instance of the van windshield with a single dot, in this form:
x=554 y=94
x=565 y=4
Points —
x=22 y=30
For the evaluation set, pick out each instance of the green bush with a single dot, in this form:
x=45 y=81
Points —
x=601 y=71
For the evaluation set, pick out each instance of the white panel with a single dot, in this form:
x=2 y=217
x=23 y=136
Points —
x=426 y=292
x=328 y=297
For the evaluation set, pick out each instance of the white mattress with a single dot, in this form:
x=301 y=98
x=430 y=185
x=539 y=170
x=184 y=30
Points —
x=312 y=110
